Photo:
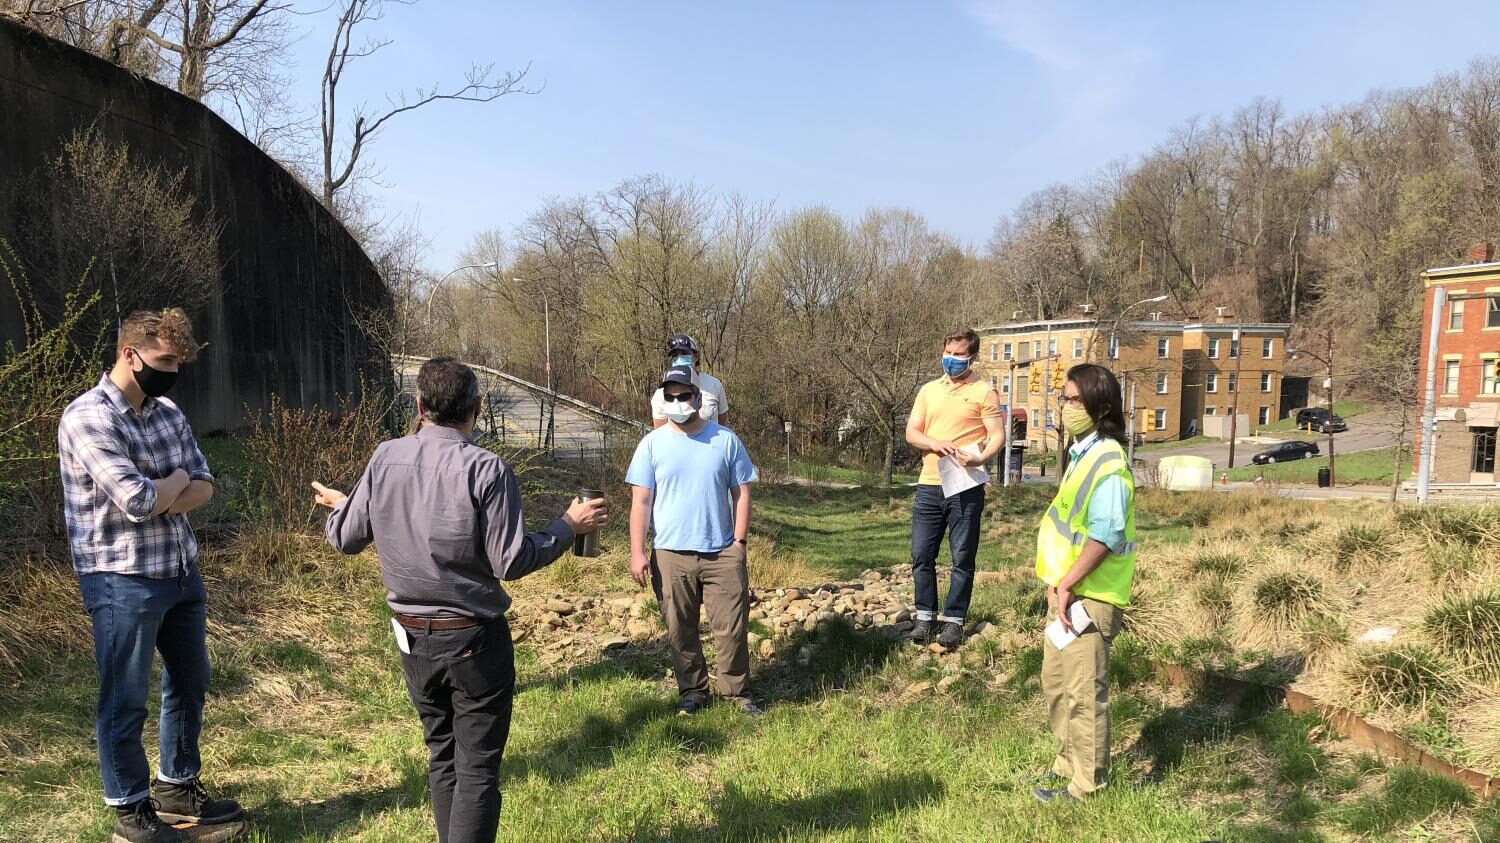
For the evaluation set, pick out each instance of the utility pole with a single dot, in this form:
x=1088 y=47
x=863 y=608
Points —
x=1234 y=403
x=1130 y=424
x=1331 y=476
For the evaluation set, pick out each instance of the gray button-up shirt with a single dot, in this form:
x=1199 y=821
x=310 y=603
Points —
x=445 y=516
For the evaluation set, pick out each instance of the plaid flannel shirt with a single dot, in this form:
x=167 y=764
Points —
x=109 y=455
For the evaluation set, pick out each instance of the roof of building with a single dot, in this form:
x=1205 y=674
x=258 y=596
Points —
x=1463 y=272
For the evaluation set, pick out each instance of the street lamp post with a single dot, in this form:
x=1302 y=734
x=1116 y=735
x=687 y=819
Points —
x=433 y=291
x=1328 y=362
x=547 y=364
x=1113 y=342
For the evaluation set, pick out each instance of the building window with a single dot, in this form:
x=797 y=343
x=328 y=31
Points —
x=1114 y=348
x=1267 y=349
x=1047 y=419
x=1234 y=381
x=1212 y=383
x=1213 y=348
x=1209 y=411
x=1489 y=376
x=1265 y=416
x=1265 y=381
x=1234 y=347
x=1036 y=349
x=1078 y=348
x=1005 y=384
x=994 y=351
x=1006 y=353
x=1161 y=383
x=1160 y=420
x=1484 y=450
x=1163 y=348
x=1450 y=377
x=1051 y=347
x=1492 y=317
x=1456 y=316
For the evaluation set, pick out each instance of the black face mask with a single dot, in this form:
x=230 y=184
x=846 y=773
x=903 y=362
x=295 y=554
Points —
x=153 y=382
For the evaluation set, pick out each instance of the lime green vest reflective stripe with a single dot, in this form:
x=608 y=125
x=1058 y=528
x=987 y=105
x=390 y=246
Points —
x=1064 y=528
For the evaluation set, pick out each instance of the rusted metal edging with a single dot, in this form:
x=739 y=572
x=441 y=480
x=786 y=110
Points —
x=1385 y=743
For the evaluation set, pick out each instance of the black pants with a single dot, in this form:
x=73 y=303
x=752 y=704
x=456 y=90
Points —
x=462 y=683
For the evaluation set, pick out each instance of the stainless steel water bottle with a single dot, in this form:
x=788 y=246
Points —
x=587 y=545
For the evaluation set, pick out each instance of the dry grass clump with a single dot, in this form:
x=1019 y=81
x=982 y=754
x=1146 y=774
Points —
x=1358 y=542
x=42 y=612
x=1217 y=562
x=1320 y=637
x=1275 y=604
x=1466 y=627
x=1474 y=526
x=1479 y=723
x=1401 y=676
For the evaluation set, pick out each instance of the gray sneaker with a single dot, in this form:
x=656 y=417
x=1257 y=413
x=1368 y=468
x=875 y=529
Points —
x=750 y=709
x=952 y=634
x=920 y=633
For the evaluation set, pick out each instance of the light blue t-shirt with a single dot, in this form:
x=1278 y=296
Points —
x=692 y=477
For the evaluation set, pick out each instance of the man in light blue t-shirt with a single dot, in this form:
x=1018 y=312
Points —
x=692 y=489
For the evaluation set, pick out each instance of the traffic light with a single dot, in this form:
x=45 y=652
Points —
x=1150 y=422
x=1057 y=377
x=1035 y=380
x=1017 y=428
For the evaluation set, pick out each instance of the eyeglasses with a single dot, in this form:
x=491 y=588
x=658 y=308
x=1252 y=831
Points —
x=1075 y=400
x=681 y=396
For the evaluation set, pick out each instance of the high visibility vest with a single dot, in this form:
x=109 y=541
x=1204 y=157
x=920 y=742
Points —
x=1064 y=529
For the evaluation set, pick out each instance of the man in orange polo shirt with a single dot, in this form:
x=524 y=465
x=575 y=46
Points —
x=951 y=413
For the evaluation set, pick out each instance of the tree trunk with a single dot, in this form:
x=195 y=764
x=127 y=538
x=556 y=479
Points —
x=890 y=452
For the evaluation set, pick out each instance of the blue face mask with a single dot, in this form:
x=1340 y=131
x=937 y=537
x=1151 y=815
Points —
x=683 y=360
x=955 y=366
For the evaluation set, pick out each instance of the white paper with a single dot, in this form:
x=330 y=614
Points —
x=403 y=638
x=1080 y=620
x=957 y=477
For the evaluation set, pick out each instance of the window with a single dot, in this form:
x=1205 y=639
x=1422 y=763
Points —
x=1213 y=348
x=1212 y=384
x=1114 y=348
x=1450 y=377
x=1005 y=384
x=1209 y=411
x=1078 y=348
x=1265 y=381
x=1265 y=416
x=1007 y=354
x=1484 y=450
x=1051 y=347
x=1047 y=419
x=1492 y=317
x=1267 y=349
x=1234 y=347
x=1159 y=422
x=1489 y=375
x=1456 y=316
x=1234 y=381
x=1163 y=348
x=994 y=351
x=1036 y=349
x=1161 y=383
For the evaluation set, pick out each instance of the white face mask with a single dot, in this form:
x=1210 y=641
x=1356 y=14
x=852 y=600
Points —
x=679 y=411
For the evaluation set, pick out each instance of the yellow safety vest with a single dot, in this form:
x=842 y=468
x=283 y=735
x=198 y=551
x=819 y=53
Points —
x=1064 y=528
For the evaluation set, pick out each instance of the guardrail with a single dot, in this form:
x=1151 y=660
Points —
x=405 y=359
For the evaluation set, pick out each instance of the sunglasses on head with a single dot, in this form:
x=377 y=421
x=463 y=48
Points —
x=677 y=396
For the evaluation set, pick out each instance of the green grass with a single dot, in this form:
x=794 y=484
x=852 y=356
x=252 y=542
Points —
x=1345 y=410
x=811 y=472
x=310 y=728
x=1358 y=468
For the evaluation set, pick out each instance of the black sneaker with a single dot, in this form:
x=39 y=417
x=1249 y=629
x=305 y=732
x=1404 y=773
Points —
x=190 y=803
x=689 y=706
x=951 y=635
x=750 y=709
x=920 y=633
x=138 y=822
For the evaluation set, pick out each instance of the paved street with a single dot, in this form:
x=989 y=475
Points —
x=1367 y=431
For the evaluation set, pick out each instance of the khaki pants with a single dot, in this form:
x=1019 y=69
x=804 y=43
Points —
x=684 y=582
x=1075 y=685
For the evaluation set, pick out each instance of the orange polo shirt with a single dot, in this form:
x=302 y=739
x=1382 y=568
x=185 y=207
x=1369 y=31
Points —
x=953 y=411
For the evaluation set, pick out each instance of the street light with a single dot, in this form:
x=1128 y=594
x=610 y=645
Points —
x=433 y=291
x=1114 y=331
x=547 y=366
x=1326 y=361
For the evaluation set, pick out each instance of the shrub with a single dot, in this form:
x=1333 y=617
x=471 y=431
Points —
x=1405 y=676
x=1356 y=541
x=1467 y=629
x=290 y=448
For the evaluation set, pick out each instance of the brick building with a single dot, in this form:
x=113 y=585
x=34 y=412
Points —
x=1233 y=366
x=1468 y=368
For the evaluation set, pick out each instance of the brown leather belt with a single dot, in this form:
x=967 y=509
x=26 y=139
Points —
x=417 y=624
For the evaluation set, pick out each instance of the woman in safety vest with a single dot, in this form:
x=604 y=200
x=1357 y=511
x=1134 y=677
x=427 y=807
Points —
x=1086 y=555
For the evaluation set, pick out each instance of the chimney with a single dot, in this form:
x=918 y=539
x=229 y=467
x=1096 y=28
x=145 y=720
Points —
x=1017 y=314
x=1154 y=316
x=1086 y=308
x=1222 y=315
x=1482 y=252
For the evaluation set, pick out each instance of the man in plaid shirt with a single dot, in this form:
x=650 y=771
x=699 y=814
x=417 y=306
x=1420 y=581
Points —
x=131 y=473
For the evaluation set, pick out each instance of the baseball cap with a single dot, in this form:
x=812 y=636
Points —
x=682 y=342
x=681 y=375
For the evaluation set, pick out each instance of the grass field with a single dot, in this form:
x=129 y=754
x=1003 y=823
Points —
x=1359 y=468
x=308 y=724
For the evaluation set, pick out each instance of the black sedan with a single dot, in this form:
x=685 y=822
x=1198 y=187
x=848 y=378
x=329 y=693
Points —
x=1286 y=452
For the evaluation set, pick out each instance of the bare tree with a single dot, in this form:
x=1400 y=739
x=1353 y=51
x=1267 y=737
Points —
x=480 y=85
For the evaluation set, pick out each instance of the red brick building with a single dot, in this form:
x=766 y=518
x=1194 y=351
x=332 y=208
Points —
x=1468 y=368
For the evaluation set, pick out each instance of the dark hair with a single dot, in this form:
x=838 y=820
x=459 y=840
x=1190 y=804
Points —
x=1100 y=391
x=966 y=335
x=449 y=391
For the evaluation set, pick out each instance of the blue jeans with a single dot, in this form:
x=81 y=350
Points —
x=932 y=515
x=132 y=616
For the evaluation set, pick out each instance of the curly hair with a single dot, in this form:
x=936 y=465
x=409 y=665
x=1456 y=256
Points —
x=168 y=329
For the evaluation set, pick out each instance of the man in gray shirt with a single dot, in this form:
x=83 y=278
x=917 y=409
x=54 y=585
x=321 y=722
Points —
x=445 y=517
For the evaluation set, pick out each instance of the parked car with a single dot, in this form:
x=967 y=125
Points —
x=1319 y=419
x=1286 y=452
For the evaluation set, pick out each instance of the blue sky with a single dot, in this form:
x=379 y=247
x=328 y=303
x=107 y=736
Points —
x=954 y=108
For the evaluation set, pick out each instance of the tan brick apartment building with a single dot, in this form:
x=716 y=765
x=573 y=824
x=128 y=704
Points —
x=1171 y=365
x=1468 y=369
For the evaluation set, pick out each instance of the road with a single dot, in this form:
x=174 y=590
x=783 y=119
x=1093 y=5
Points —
x=518 y=418
x=1367 y=431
